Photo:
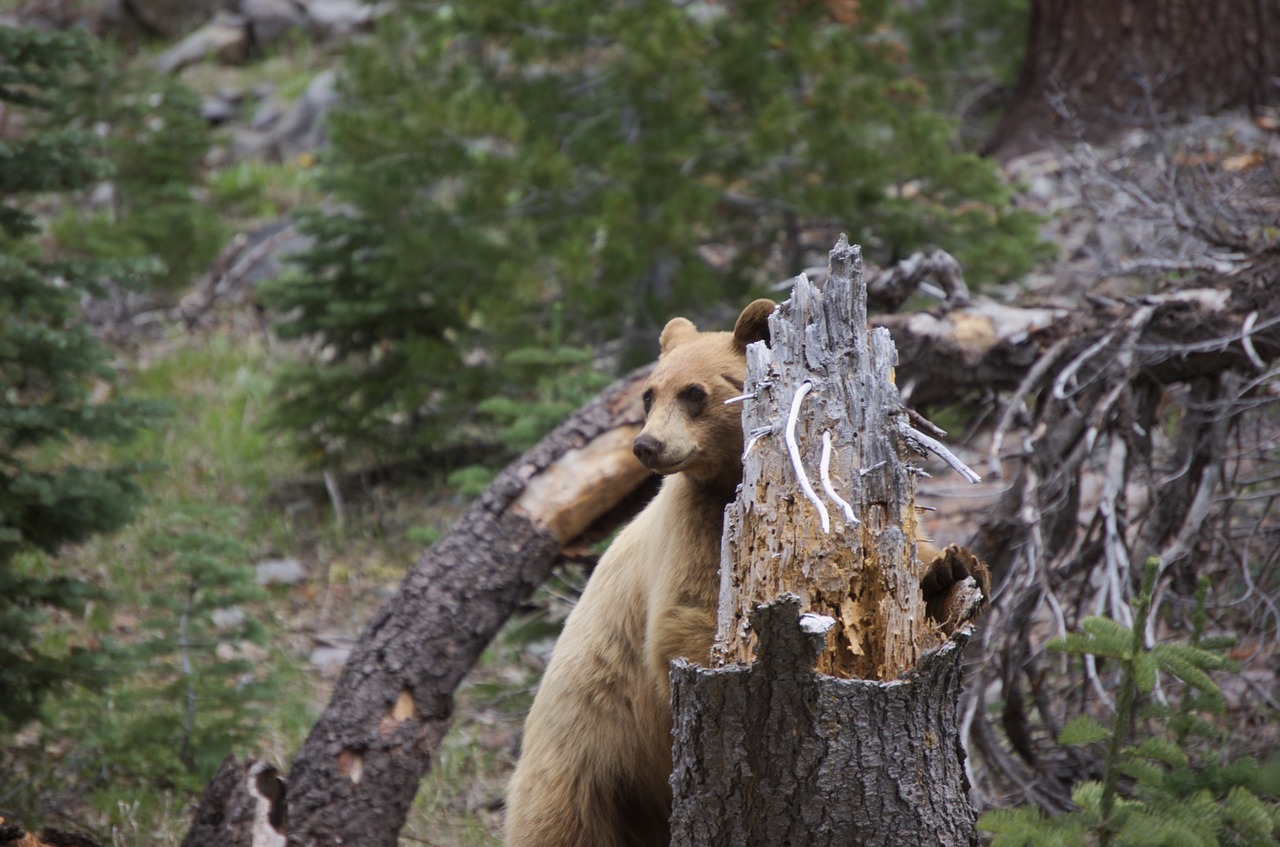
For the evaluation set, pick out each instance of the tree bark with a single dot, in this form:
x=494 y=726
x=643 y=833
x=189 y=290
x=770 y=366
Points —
x=773 y=753
x=1092 y=67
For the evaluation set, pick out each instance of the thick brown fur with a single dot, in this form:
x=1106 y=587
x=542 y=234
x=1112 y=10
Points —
x=597 y=744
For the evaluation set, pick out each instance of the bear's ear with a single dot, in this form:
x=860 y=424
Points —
x=676 y=330
x=753 y=324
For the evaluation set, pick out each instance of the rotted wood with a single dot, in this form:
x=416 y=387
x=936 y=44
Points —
x=242 y=806
x=826 y=509
x=13 y=835
x=837 y=727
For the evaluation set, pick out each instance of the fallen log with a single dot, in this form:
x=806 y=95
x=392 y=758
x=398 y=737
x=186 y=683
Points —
x=358 y=771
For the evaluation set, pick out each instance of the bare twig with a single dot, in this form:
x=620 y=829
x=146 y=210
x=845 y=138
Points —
x=927 y=442
x=793 y=450
x=825 y=474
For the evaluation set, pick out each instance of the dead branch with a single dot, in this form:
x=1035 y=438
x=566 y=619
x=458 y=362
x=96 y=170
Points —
x=936 y=274
x=1099 y=482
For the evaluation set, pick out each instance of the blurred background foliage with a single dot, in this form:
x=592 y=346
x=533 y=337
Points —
x=150 y=130
x=50 y=366
x=620 y=163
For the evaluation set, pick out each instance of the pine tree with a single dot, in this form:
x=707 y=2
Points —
x=625 y=160
x=192 y=691
x=1181 y=787
x=49 y=365
x=155 y=139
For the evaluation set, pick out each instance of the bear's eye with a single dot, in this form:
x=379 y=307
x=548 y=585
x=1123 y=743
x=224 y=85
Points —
x=648 y=400
x=694 y=398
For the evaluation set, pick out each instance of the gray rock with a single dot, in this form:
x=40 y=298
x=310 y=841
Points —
x=330 y=653
x=338 y=18
x=299 y=129
x=228 y=618
x=269 y=20
x=275 y=244
x=50 y=14
x=280 y=572
x=151 y=18
x=267 y=114
x=302 y=127
x=218 y=110
x=224 y=39
x=266 y=251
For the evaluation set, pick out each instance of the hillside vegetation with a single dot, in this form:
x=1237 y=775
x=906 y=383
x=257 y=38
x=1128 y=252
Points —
x=309 y=282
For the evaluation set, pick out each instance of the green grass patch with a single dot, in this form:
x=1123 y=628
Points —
x=253 y=190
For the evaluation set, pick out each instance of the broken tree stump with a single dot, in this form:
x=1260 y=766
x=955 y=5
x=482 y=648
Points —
x=775 y=754
x=827 y=505
x=865 y=749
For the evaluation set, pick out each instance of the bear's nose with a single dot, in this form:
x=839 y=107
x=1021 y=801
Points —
x=647 y=449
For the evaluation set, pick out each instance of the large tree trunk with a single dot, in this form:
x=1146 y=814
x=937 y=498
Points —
x=773 y=753
x=776 y=754
x=1094 y=66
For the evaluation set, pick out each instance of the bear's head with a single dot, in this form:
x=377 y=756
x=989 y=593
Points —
x=687 y=426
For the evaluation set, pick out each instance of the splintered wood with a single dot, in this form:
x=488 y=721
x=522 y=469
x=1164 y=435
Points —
x=826 y=509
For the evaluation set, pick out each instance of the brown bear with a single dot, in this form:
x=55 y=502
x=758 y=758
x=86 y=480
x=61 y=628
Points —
x=597 y=744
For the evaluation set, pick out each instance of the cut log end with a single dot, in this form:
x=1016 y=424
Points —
x=243 y=806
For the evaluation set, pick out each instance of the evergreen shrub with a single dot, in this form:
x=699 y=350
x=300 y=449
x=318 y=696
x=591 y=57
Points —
x=190 y=687
x=55 y=379
x=1167 y=779
x=496 y=159
x=150 y=132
